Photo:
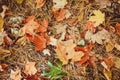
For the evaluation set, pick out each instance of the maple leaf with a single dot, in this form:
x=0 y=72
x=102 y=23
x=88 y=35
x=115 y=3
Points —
x=98 y=17
x=65 y=51
x=59 y=4
x=98 y=37
x=43 y=26
x=1 y=23
x=118 y=28
x=40 y=3
x=39 y=41
x=30 y=68
x=30 y=26
x=15 y=75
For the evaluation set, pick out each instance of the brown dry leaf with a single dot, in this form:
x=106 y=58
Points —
x=118 y=28
x=40 y=3
x=3 y=51
x=109 y=47
x=65 y=51
x=7 y=40
x=15 y=75
x=59 y=4
x=19 y=1
x=117 y=62
x=1 y=23
x=103 y=3
x=2 y=34
x=117 y=46
x=2 y=14
x=30 y=26
x=21 y=41
x=30 y=68
x=107 y=74
x=98 y=37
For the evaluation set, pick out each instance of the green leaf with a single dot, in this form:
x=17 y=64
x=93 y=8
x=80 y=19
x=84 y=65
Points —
x=19 y=1
x=55 y=71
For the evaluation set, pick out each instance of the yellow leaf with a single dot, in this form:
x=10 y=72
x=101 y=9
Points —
x=1 y=24
x=19 y=1
x=109 y=47
x=107 y=74
x=98 y=17
x=30 y=68
x=40 y=3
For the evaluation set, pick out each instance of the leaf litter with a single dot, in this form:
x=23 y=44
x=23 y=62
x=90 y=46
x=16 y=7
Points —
x=59 y=39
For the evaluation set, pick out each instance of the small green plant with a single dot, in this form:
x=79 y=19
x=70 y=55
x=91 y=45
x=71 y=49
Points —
x=55 y=71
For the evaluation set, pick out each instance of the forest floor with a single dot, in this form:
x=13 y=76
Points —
x=59 y=39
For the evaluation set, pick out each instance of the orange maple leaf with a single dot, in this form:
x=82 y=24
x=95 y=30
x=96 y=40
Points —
x=59 y=15
x=39 y=41
x=30 y=26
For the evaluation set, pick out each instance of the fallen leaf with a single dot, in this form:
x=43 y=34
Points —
x=2 y=14
x=117 y=46
x=32 y=77
x=39 y=41
x=59 y=15
x=1 y=23
x=90 y=26
x=40 y=3
x=21 y=41
x=117 y=62
x=15 y=75
x=53 y=41
x=81 y=42
x=30 y=68
x=59 y=4
x=30 y=26
x=103 y=3
x=3 y=51
x=65 y=51
x=107 y=74
x=98 y=37
x=2 y=34
x=19 y=1
x=7 y=40
x=43 y=26
x=109 y=47
x=98 y=17
x=118 y=28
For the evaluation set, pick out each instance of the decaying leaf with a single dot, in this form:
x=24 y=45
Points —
x=59 y=4
x=98 y=37
x=2 y=14
x=30 y=26
x=21 y=41
x=65 y=51
x=3 y=51
x=108 y=74
x=118 y=28
x=40 y=3
x=117 y=46
x=19 y=1
x=117 y=62
x=2 y=34
x=109 y=47
x=30 y=68
x=7 y=40
x=98 y=17
x=15 y=75
x=1 y=23
x=103 y=3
